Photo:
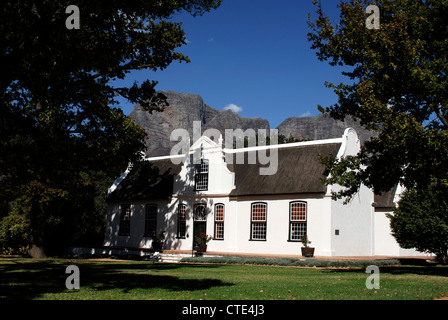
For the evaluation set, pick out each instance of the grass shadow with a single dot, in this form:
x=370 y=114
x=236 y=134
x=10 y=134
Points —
x=32 y=279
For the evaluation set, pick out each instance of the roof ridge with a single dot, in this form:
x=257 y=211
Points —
x=286 y=145
x=257 y=148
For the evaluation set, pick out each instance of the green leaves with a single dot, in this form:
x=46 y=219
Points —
x=421 y=220
x=61 y=139
x=398 y=88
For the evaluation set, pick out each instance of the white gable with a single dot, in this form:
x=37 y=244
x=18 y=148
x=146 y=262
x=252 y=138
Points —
x=204 y=142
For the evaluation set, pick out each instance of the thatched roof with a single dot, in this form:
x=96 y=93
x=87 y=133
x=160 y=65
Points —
x=385 y=200
x=299 y=171
x=147 y=181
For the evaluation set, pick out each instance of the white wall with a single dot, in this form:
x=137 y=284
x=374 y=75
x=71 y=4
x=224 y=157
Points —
x=112 y=218
x=277 y=238
x=354 y=222
x=136 y=238
x=351 y=223
x=171 y=221
x=385 y=243
x=220 y=181
x=236 y=225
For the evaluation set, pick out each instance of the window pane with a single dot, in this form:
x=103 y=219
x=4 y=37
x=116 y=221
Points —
x=182 y=212
x=259 y=212
x=298 y=229
x=182 y=229
x=203 y=167
x=124 y=228
x=219 y=212
x=151 y=212
x=150 y=228
x=125 y=212
x=219 y=221
x=150 y=220
x=259 y=231
x=202 y=181
x=298 y=211
x=219 y=231
x=201 y=176
x=181 y=223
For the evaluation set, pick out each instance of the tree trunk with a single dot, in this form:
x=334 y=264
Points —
x=37 y=226
x=36 y=252
x=443 y=256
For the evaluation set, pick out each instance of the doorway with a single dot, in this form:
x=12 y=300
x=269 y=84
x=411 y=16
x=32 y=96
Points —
x=199 y=227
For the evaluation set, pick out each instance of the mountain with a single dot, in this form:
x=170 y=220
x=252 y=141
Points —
x=321 y=127
x=184 y=108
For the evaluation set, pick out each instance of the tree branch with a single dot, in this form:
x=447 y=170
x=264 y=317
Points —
x=441 y=117
x=127 y=67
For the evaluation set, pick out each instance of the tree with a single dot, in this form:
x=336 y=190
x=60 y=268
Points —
x=421 y=221
x=397 y=86
x=61 y=136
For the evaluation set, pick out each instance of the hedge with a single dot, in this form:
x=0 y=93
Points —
x=290 y=261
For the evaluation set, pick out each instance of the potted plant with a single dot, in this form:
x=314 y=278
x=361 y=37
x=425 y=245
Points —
x=202 y=240
x=306 y=250
x=157 y=241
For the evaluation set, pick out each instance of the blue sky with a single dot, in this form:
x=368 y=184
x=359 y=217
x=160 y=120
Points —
x=253 y=55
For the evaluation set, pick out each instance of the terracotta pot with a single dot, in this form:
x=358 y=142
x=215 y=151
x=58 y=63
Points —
x=307 y=252
x=202 y=248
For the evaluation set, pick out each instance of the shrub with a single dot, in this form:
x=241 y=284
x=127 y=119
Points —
x=421 y=220
x=290 y=261
x=15 y=231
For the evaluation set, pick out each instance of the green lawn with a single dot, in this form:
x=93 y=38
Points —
x=22 y=278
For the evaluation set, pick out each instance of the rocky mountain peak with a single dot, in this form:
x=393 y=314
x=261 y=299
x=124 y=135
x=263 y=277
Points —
x=184 y=108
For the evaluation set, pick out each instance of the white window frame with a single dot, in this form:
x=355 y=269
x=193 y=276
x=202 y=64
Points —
x=258 y=227
x=297 y=227
x=150 y=222
x=124 y=228
x=181 y=222
x=219 y=235
x=201 y=176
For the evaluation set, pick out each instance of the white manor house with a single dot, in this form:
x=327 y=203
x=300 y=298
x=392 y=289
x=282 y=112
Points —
x=245 y=211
